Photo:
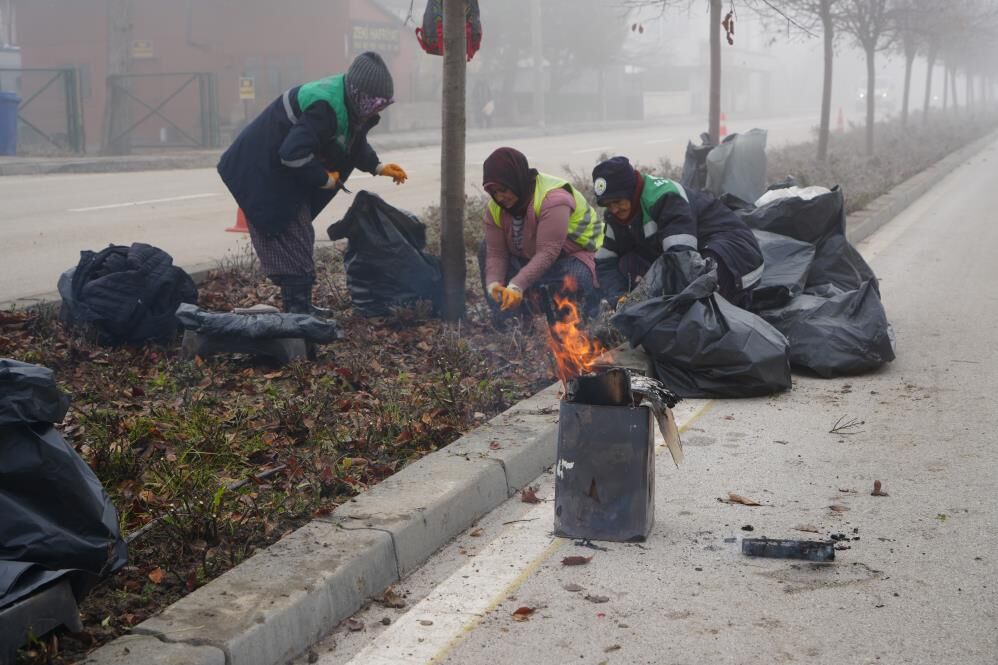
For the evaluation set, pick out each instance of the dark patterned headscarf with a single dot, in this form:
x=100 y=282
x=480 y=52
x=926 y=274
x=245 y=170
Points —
x=508 y=167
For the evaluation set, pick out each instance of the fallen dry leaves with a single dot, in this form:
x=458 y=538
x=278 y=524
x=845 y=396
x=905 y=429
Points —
x=738 y=498
x=576 y=560
x=529 y=495
x=523 y=613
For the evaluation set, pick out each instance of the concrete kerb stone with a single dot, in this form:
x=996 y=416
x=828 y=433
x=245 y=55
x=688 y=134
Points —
x=523 y=439
x=149 y=650
x=282 y=600
x=863 y=223
x=426 y=504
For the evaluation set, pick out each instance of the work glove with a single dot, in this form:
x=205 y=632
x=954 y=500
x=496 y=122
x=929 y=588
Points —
x=495 y=290
x=393 y=171
x=334 y=180
x=510 y=297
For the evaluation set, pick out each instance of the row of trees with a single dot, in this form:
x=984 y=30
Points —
x=960 y=34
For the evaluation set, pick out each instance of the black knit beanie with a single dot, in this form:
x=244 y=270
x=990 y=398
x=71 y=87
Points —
x=369 y=85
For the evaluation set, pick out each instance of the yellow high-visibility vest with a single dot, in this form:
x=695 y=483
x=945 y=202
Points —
x=585 y=227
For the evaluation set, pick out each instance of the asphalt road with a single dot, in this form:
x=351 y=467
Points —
x=916 y=580
x=45 y=221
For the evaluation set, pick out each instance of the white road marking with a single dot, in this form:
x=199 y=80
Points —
x=130 y=204
x=602 y=148
x=433 y=626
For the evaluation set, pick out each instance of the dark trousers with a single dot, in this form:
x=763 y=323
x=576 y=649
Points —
x=586 y=295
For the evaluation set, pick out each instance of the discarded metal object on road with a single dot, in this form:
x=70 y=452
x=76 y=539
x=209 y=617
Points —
x=809 y=550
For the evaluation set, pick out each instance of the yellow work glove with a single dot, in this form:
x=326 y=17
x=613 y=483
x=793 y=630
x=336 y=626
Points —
x=495 y=290
x=334 y=180
x=512 y=297
x=393 y=171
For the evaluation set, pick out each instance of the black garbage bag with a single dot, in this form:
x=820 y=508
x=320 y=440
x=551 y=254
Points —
x=53 y=511
x=786 y=267
x=838 y=268
x=838 y=336
x=127 y=295
x=695 y=165
x=263 y=325
x=808 y=220
x=385 y=263
x=702 y=345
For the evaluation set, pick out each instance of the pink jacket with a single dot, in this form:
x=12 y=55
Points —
x=544 y=241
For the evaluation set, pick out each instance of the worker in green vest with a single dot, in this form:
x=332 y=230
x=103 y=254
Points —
x=538 y=231
x=287 y=165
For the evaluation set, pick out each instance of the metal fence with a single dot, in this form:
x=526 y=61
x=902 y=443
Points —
x=168 y=110
x=50 y=115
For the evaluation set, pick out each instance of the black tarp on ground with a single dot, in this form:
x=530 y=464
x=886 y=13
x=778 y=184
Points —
x=127 y=295
x=54 y=514
x=787 y=263
x=385 y=263
x=840 y=335
x=263 y=325
x=702 y=345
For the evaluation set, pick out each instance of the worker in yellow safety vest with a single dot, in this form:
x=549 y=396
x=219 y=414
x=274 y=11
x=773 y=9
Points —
x=539 y=230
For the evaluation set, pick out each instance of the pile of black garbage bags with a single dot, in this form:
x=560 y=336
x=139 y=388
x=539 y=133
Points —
x=817 y=307
x=56 y=522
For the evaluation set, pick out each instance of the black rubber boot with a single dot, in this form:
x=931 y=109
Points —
x=320 y=312
x=296 y=297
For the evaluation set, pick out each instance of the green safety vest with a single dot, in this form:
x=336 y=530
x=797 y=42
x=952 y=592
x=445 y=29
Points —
x=330 y=89
x=654 y=189
x=585 y=228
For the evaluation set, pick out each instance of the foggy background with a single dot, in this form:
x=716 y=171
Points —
x=599 y=62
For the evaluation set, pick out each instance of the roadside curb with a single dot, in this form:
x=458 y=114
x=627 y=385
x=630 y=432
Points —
x=282 y=600
x=863 y=223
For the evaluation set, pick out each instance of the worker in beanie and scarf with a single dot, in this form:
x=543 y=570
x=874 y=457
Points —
x=287 y=165
x=538 y=230
x=647 y=216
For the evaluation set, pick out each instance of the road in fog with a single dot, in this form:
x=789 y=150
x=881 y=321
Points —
x=915 y=574
x=46 y=220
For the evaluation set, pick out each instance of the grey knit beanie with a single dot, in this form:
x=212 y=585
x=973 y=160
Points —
x=369 y=85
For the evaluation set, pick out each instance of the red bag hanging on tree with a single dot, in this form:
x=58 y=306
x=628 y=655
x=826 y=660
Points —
x=431 y=35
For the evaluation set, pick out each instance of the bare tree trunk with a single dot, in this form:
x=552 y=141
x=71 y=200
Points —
x=969 y=80
x=931 y=65
x=952 y=85
x=826 y=83
x=871 y=98
x=537 y=47
x=714 y=112
x=945 y=87
x=452 y=161
x=909 y=61
x=119 y=31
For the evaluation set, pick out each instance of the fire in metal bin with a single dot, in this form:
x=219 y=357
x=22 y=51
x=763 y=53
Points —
x=605 y=470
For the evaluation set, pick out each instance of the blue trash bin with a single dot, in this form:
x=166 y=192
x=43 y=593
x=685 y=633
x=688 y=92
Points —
x=9 y=102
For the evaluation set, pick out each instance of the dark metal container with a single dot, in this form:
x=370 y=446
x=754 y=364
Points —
x=605 y=473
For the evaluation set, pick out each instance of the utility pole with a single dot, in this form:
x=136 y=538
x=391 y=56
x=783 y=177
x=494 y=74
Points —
x=537 y=48
x=452 y=160
x=119 y=33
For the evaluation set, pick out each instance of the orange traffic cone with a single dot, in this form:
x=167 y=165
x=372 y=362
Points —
x=724 y=127
x=840 y=124
x=240 y=226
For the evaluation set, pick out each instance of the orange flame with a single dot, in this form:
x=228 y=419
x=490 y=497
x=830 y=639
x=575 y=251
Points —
x=574 y=352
